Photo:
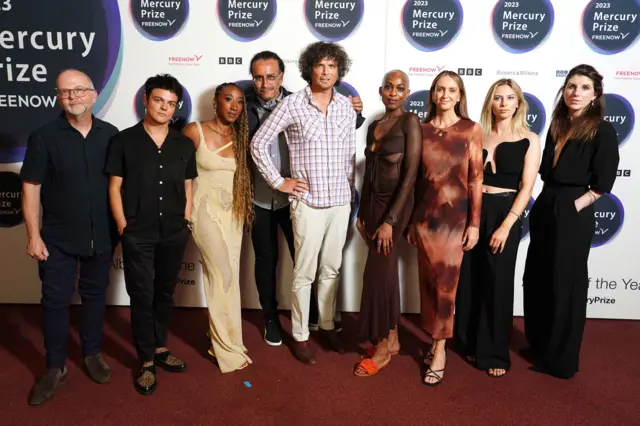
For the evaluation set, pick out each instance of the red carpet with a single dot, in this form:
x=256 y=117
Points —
x=285 y=392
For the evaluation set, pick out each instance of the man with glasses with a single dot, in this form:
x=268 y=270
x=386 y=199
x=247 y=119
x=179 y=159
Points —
x=63 y=170
x=271 y=205
x=152 y=167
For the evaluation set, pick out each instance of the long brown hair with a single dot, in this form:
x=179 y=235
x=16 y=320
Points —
x=584 y=127
x=242 y=183
x=519 y=120
x=460 y=108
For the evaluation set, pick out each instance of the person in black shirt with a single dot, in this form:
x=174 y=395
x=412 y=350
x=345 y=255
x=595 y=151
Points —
x=63 y=170
x=152 y=167
x=579 y=165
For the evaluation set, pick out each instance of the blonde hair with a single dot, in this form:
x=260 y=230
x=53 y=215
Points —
x=519 y=124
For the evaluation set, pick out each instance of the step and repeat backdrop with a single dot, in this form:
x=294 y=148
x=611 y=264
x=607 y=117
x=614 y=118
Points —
x=120 y=43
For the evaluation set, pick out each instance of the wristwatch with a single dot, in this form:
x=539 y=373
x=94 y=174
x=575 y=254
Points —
x=392 y=220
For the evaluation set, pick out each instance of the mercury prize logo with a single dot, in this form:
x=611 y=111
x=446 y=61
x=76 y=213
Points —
x=525 y=219
x=536 y=116
x=10 y=199
x=181 y=115
x=246 y=20
x=159 y=20
x=37 y=43
x=333 y=20
x=611 y=26
x=430 y=25
x=619 y=112
x=521 y=26
x=609 y=217
x=417 y=103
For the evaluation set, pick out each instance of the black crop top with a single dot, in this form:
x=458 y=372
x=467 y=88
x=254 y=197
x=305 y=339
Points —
x=509 y=164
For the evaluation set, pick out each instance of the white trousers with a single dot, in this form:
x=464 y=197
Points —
x=319 y=238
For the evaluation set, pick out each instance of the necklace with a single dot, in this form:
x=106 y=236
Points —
x=217 y=131
x=440 y=129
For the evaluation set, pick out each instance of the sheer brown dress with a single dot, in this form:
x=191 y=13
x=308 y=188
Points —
x=448 y=199
x=387 y=196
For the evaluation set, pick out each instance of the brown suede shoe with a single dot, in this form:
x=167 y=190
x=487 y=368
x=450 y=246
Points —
x=46 y=387
x=302 y=351
x=98 y=369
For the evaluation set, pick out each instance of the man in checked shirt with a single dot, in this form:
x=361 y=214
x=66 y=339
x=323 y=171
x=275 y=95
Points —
x=320 y=126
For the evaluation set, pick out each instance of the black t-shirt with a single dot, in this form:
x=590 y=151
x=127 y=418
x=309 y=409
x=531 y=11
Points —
x=75 y=189
x=592 y=163
x=153 y=197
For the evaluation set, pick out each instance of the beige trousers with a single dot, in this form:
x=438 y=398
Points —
x=319 y=238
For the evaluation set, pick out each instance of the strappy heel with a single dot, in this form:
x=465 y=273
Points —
x=435 y=375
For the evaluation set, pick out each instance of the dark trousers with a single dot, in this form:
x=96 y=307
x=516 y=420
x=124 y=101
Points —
x=264 y=235
x=58 y=275
x=556 y=278
x=150 y=271
x=484 y=301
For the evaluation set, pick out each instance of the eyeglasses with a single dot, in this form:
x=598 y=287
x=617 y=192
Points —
x=269 y=77
x=78 y=91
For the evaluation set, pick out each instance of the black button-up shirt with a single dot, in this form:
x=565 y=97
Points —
x=153 y=193
x=75 y=189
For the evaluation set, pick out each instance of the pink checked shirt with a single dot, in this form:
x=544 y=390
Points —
x=322 y=149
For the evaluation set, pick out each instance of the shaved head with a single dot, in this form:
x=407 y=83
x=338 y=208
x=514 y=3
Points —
x=74 y=78
x=396 y=74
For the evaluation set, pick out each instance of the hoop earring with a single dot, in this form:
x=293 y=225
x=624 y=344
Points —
x=215 y=110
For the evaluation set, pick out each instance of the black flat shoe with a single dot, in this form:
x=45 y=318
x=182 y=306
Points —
x=170 y=363
x=146 y=382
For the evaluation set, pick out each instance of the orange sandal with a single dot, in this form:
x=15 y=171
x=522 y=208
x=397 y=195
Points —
x=370 y=368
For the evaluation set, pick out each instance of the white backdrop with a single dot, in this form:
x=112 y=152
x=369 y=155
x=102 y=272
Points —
x=206 y=42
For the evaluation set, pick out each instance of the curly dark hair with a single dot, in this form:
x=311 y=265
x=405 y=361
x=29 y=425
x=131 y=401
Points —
x=165 y=82
x=318 y=51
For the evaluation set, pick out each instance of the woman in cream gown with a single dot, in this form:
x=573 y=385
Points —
x=221 y=211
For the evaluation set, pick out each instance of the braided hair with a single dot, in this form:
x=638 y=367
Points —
x=242 y=182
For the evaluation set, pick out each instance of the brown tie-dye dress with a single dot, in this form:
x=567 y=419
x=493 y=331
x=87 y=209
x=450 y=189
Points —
x=448 y=199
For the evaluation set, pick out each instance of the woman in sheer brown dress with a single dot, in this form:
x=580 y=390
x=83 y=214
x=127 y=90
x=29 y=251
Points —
x=446 y=215
x=392 y=157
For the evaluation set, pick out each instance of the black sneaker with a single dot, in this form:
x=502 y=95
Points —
x=272 y=334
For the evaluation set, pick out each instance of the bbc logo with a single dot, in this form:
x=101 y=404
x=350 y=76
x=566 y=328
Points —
x=470 y=71
x=561 y=73
x=229 y=61
x=623 y=173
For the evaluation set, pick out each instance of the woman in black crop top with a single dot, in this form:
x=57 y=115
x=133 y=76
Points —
x=579 y=164
x=484 y=303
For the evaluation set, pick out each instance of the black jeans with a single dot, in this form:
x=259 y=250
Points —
x=150 y=271
x=58 y=275
x=264 y=235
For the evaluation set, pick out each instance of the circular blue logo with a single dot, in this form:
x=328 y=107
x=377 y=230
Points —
x=181 y=115
x=347 y=90
x=612 y=26
x=609 y=217
x=333 y=20
x=430 y=25
x=525 y=219
x=521 y=26
x=619 y=112
x=246 y=20
x=356 y=206
x=417 y=103
x=244 y=85
x=10 y=199
x=536 y=115
x=36 y=49
x=159 y=20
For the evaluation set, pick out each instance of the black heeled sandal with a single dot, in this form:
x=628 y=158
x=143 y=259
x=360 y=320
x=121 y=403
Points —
x=435 y=375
